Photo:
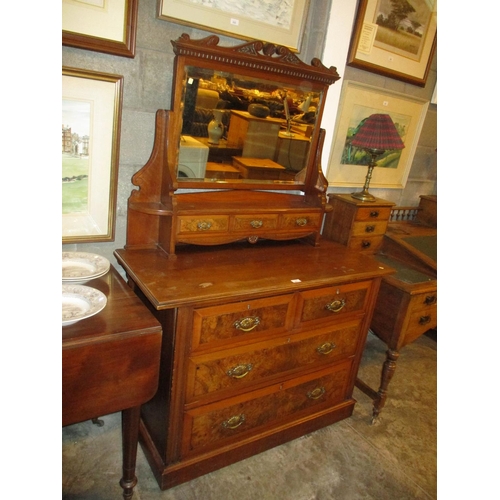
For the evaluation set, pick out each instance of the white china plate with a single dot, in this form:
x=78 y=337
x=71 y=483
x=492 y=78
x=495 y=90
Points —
x=80 y=302
x=83 y=266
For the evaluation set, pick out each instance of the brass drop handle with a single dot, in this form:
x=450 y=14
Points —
x=326 y=348
x=247 y=324
x=336 y=305
x=302 y=221
x=374 y=213
x=369 y=229
x=234 y=422
x=430 y=300
x=366 y=244
x=239 y=371
x=316 y=393
x=256 y=224
x=424 y=320
x=204 y=225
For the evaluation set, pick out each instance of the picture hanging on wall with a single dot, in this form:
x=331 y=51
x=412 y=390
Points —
x=91 y=115
x=358 y=101
x=107 y=26
x=272 y=21
x=395 y=38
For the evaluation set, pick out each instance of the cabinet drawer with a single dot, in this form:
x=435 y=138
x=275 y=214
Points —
x=419 y=322
x=204 y=224
x=240 y=367
x=369 y=228
x=423 y=301
x=300 y=221
x=373 y=213
x=325 y=304
x=241 y=320
x=230 y=419
x=254 y=222
x=368 y=243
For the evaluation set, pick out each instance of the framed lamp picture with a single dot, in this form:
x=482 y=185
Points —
x=107 y=26
x=348 y=165
x=91 y=116
x=274 y=21
x=395 y=38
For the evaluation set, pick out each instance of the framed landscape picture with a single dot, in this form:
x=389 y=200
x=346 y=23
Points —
x=395 y=38
x=276 y=21
x=348 y=166
x=108 y=26
x=91 y=115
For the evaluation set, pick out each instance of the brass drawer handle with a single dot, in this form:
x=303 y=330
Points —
x=256 y=224
x=369 y=229
x=424 y=320
x=336 y=305
x=326 y=348
x=204 y=225
x=316 y=393
x=430 y=300
x=374 y=213
x=302 y=221
x=365 y=244
x=234 y=422
x=247 y=324
x=239 y=371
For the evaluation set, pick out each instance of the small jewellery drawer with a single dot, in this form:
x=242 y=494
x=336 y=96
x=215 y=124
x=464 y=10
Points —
x=213 y=424
x=369 y=228
x=219 y=324
x=367 y=242
x=241 y=366
x=325 y=304
x=254 y=222
x=197 y=224
x=301 y=221
x=373 y=213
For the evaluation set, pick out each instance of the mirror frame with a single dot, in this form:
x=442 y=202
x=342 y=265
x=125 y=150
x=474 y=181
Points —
x=256 y=60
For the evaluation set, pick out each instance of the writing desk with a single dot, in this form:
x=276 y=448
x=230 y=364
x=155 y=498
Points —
x=110 y=363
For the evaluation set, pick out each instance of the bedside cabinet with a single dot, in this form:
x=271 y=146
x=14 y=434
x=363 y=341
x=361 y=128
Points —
x=360 y=225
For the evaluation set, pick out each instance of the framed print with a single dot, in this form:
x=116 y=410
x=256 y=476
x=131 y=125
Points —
x=272 y=21
x=91 y=114
x=395 y=38
x=108 y=26
x=348 y=166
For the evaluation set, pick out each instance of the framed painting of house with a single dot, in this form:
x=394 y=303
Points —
x=395 y=38
x=91 y=115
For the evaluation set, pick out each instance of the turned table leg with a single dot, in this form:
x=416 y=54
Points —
x=130 y=436
x=387 y=373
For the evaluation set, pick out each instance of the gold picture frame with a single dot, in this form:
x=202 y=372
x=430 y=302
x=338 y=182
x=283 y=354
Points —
x=242 y=19
x=91 y=118
x=386 y=42
x=108 y=26
x=358 y=101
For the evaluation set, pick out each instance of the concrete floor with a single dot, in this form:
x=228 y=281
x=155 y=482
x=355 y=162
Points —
x=395 y=458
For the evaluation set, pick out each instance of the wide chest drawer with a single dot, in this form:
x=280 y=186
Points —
x=240 y=367
x=233 y=418
x=241 y=321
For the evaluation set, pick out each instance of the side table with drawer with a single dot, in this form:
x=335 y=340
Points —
x=359 y=225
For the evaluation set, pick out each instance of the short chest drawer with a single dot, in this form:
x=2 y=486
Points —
x=327 y=304
x=241 y=321
x=254 y=222
x=222 y=422
x=197 y=224
x=373 y=214
x=300 y=221
x=369 y=228
x=238 y=368
x=366 y=243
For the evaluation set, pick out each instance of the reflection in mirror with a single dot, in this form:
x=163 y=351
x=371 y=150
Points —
x=247 y=129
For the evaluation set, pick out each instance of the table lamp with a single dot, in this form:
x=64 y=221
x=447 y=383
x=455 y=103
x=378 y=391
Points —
x=376 y=135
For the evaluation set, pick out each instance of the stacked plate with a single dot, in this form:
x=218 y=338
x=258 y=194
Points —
x=78 y=267
x=79 y=301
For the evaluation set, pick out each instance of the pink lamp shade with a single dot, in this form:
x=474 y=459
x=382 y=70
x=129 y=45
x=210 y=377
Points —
x=378 y=132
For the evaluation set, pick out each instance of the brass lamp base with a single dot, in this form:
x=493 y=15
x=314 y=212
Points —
x=363 y=196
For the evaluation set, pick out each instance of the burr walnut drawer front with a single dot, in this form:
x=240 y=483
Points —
x=301 y=221
x=240 y=322
x=373 y=213
x=254 y=222
x=238 y=368
x=234 y=418
x=202 y=224
x=326 y=304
